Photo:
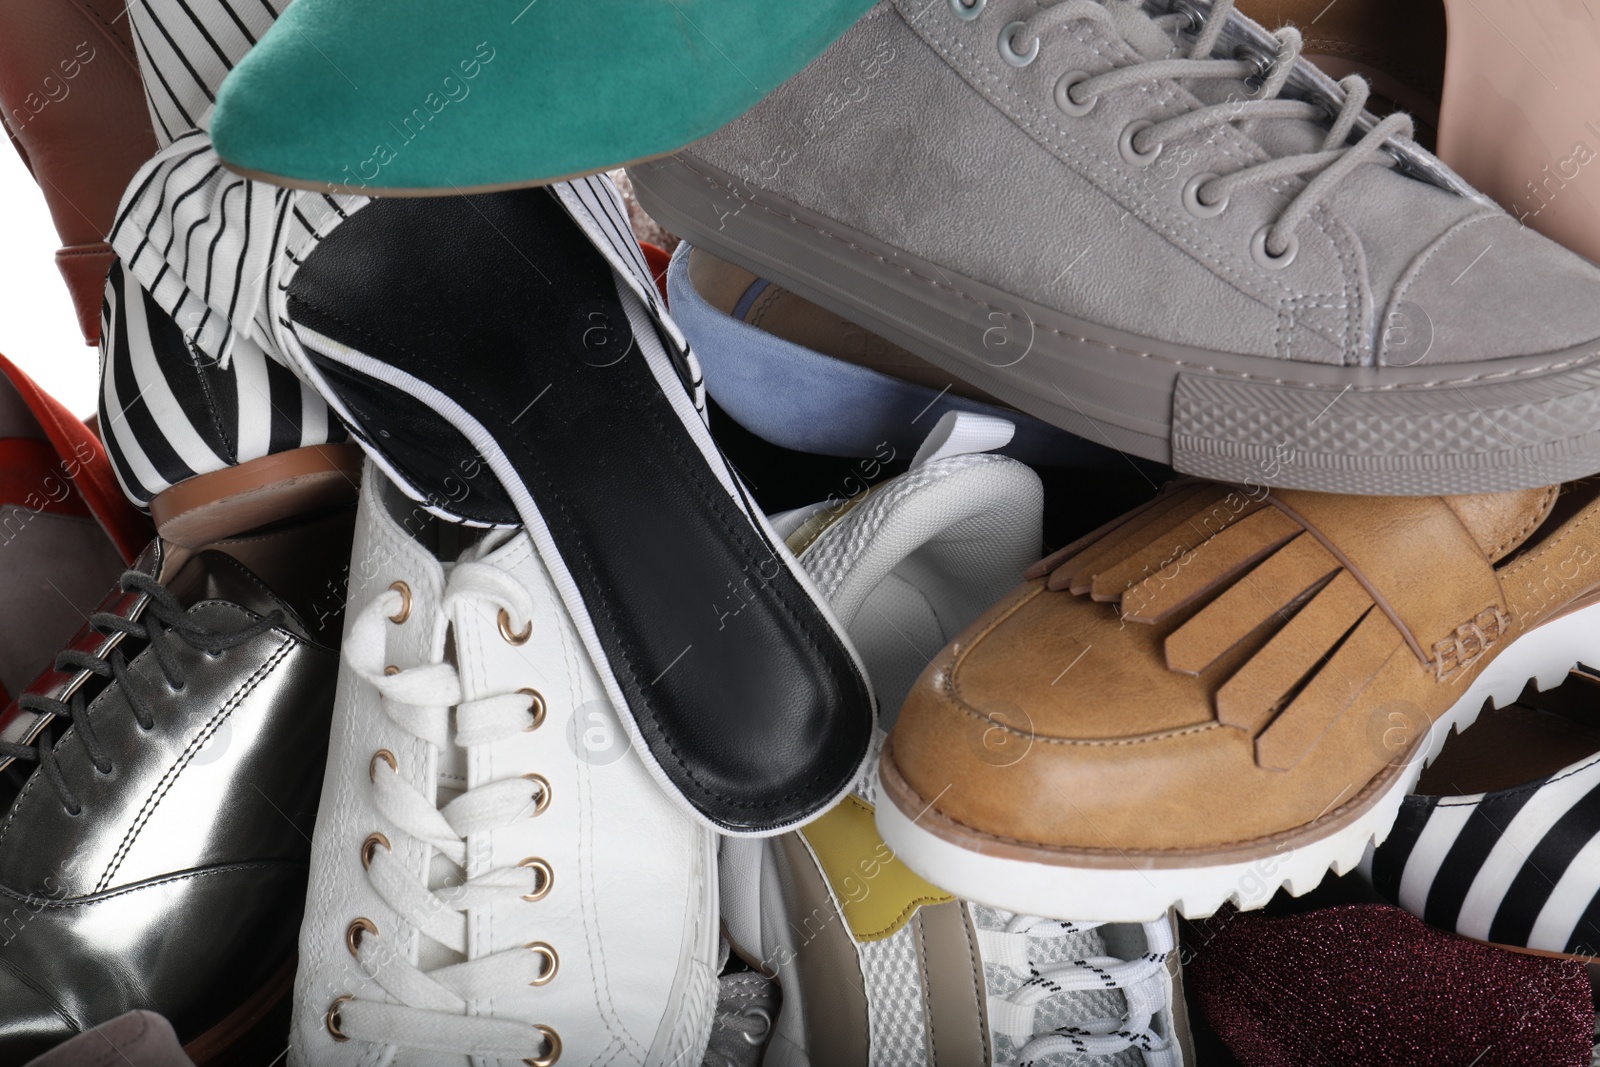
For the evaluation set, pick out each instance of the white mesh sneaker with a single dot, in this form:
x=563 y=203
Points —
x=495 y=878
x=876 y=965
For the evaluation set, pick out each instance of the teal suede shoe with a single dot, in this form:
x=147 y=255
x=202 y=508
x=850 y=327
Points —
x=417 y=97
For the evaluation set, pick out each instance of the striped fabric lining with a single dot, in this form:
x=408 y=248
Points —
x=1519 y=867
x=168 y=412
x=186 y=48
x=215 y=253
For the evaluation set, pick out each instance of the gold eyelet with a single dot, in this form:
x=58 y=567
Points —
x=535 y=708
x=390 y=671
x=369 y=847
x=352 y=935
x=544 y=793
x=547 y=878
x=405 y=602
x=332 y=1018
x=372 y=766
x=505 y=629
x=554 y=1041
x=552 y=962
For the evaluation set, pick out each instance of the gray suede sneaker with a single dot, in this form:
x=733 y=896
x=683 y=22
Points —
x=1154 y=225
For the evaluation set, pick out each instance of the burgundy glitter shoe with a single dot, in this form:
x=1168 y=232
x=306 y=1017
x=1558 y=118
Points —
x=1371 y=986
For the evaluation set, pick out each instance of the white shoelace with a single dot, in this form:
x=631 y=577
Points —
x=429 y=1008
x=1143 y=982
x=1020 y=43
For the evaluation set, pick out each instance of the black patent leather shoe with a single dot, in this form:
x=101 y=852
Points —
x=159 y=788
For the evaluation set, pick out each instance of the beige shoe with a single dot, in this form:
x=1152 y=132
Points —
x=1226 y=691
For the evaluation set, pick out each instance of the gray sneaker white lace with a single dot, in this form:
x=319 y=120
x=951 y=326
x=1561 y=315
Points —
x=1056 y=998
x=1196 y=35
x=428 y=1005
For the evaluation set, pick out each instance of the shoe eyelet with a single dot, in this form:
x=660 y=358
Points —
x=1070 y=80
x=353 y=934
x=535 y=708
x=506 y=632
x=553 y=1040
x=390 y=671
x=385 y=756
x=552 y=962
x=1264 y=258
x=1008 y=48
x=332 y=1020
x=1262 y=61
x=547 y=878
x=369 y=847
x=965 y=11
x=405 y=602
x=1130 y=151
x=544 y=793
x=1198 y=207
x=759 y=1037
x=1192 y=12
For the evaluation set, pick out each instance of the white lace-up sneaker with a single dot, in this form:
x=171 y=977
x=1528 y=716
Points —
x=495 y=877
x=876 y=965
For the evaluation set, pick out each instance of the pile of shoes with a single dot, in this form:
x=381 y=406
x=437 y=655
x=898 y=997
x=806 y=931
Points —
x=1100 y=564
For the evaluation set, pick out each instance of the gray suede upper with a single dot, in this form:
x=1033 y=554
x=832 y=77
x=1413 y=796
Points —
x=913 y=129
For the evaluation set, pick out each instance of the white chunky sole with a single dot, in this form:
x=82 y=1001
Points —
x=1143 y=893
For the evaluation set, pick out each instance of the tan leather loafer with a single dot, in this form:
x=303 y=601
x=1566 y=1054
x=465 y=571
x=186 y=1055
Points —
x=1228 y=690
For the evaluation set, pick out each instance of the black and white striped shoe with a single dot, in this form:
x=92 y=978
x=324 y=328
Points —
x=1501 y=841
x=506 y=359
x=211 y=448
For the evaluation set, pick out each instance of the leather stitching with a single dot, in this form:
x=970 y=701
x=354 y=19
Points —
x=153 y=801
x=1370 y=586
x=979 y=982
x=1206 y=850
x=550 y=493
x=1546 y=505
x=186 y=876
x=927 y=983
x=55 y=1005
x=952 y=691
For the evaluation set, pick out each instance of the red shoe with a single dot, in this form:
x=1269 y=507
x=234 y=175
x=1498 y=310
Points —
x=66 y=530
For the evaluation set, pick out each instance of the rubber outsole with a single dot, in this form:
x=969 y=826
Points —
x=1516 y=423
x=1147 y=886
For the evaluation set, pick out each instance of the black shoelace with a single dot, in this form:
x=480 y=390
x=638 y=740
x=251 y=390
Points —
x=164 y=619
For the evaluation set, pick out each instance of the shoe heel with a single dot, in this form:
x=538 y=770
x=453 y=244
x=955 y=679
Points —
x=234 y=500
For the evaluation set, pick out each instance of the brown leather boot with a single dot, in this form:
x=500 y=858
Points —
x=73 y=104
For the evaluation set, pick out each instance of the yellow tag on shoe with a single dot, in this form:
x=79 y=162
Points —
x=876 y=892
